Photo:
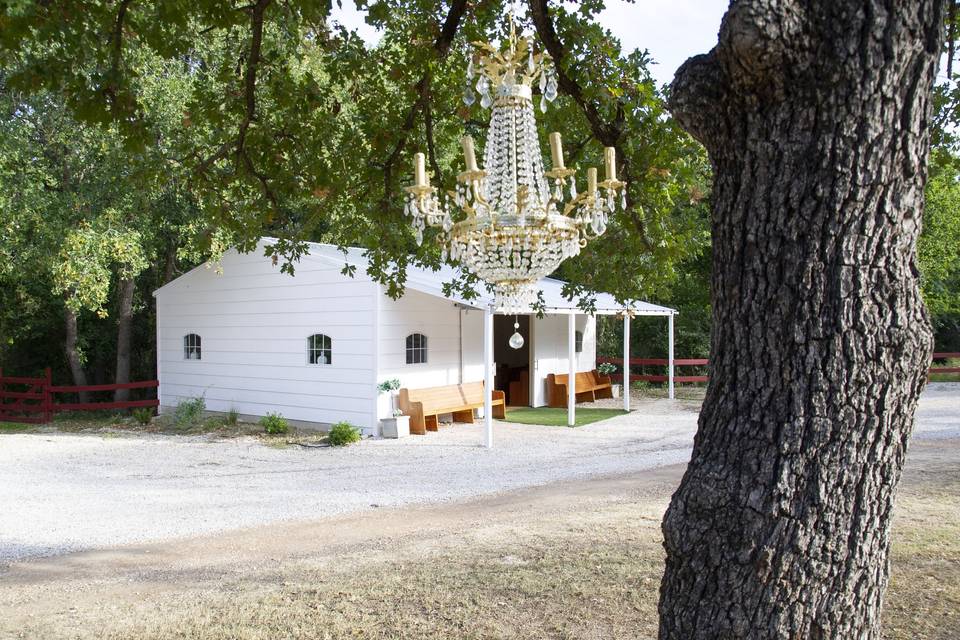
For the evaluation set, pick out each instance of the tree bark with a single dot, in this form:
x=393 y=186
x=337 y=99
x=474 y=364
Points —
x=126 y=288
x=815 y=115
x=73 y=354
x=170 y=264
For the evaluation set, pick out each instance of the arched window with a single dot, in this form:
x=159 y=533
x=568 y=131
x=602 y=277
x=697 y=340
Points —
x=416 y=348
x=319 y=349
x=578 y=341
x=191 y=347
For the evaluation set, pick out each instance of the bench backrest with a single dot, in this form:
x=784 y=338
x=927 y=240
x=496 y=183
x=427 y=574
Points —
x=446 y=397
x=583 y=379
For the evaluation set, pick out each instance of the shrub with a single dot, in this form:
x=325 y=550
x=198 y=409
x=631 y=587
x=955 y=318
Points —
x=274 y=423
x=232 y=417
x=189 y=411
x=343 y=433
x=143 y=415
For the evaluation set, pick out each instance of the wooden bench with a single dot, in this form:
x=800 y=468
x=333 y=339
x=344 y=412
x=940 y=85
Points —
x=590 y=385
x=425 y=405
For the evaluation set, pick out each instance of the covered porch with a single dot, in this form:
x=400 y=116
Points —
x=558 y=306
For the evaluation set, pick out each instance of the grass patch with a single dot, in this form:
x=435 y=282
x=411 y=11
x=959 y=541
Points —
x=16 y=427
x=946 y=377
x=557 y=417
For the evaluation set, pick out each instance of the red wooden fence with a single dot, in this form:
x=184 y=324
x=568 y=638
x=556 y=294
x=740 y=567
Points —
x=702 y=362
x=657 y=362
x=42 y=393
x=945 y=356
x=29 y=400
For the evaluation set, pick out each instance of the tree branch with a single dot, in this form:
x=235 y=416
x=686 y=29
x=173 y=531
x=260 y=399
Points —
x=610 y=134
x=238 y=145
x=442 y=47
x=117 y=52
x=607 y=134
x=696 y=95
x=431 y=146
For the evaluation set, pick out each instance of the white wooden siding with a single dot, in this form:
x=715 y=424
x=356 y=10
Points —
x=436 y=318
x=254 y=322
x=550 y=350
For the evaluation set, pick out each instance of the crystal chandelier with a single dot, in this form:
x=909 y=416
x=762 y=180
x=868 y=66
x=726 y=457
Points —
x=509 y=230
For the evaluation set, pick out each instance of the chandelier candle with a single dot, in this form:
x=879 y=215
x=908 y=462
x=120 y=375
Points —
x=469 y=155
x=610 y=162
x=511 y=223
x=420 y=171
x=556 y=150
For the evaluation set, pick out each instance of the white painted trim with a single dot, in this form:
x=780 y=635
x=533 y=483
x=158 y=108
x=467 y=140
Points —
x=375 y=372
x=571 y=370
x=670 y=356
x=559 y=311
x=626 y=362
x=488 y=377
x=156 y=320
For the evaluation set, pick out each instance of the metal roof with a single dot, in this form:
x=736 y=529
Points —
x=431 y=282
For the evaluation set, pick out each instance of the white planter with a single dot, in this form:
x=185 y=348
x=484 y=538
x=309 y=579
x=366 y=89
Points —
x=398 y=427
x=615 y=389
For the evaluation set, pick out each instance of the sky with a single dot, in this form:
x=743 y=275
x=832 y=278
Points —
x=672 y=30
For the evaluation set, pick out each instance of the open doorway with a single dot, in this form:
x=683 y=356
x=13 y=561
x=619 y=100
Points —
x=513 y=365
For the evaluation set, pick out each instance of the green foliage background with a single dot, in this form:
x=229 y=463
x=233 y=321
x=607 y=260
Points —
x=140 y=139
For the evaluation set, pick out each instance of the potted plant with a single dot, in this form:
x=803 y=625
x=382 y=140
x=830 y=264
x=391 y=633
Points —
x=393 y=425
x=396 y=427
x=606 y=369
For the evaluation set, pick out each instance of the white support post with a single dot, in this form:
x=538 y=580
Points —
x=488 y=376
x=572 y=370
x=670 y=356
x=626 y=361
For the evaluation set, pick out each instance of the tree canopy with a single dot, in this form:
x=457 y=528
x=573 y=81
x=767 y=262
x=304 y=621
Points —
x=281 y=123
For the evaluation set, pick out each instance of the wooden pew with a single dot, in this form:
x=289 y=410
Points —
x=425 y=405
x=590 y=385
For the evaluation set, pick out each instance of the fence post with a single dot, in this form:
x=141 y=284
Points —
x=47 y=399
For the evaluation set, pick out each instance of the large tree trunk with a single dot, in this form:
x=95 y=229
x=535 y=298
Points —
x=124 y=326
x=72 y=353
x=815 y=115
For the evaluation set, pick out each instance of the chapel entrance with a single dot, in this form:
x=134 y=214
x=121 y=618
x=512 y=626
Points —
x=512 y=375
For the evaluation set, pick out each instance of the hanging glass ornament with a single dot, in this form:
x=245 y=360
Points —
x=550 y=93
x=516 y=340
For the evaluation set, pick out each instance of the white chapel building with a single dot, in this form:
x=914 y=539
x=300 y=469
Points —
x=314 y=346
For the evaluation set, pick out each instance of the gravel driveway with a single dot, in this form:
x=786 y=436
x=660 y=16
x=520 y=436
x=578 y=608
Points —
x=66 y=493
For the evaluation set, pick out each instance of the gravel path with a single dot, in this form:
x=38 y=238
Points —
x=68 y=493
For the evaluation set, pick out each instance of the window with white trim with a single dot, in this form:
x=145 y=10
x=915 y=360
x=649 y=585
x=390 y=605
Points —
x=319 y=349
x=416 y=348
x=191 y=347
x=578 y=341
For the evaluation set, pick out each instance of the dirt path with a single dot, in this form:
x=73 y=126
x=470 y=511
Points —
x=583 y=555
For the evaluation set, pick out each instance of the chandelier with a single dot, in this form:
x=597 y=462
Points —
x=515 y=223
